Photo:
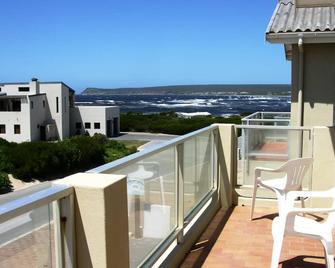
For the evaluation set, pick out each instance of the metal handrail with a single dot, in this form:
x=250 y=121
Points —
x=17 y=207
x=128 y=160
x=250 y=117
x=265 y=120
x=272 y=127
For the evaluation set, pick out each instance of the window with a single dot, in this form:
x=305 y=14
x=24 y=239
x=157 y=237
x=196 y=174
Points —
x=17 y=129
x=23 y=89
x=2 y=129
x=87 y=125
x=57 y=105
x=16 y=105
x=78 y=125
x=96 y=125
x=43 y=103
x=31 y=104
x=0 y=89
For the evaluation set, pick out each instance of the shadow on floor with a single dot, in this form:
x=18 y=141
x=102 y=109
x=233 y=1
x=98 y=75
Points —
x=304 y=261
x=268 y=216
x=203 y=246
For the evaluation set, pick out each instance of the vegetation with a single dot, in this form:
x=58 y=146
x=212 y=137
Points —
x=5 y=185
x=170 y=123
x=48 y=160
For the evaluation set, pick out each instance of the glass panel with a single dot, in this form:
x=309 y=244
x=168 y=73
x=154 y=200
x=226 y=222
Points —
x=270 y=148
x=27 y=240
x=198 y=179
x=151 y=203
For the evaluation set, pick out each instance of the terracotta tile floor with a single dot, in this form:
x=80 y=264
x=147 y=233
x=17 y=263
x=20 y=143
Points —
x=240 y=242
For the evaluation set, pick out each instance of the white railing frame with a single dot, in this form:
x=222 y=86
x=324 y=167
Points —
x=177 y=144
x=54 y=194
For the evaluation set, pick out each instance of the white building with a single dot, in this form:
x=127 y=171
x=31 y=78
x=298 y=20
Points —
x=46 y=111
x=95 y=119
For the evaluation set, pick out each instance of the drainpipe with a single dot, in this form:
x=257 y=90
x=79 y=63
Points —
x=300 y=92
x=300 y=83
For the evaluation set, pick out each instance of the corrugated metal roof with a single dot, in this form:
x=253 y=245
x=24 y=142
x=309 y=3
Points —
x=289 y=19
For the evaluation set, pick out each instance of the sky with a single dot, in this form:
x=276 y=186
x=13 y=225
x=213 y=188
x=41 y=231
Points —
x=134 y=43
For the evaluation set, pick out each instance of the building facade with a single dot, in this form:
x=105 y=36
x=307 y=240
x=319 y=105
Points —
x=307 y=31
x=46 y=111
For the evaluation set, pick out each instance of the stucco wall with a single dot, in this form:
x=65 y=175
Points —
x=318 y=86
x=92 y=114
x=37 y=115
x=21 y=118
x=59 y=118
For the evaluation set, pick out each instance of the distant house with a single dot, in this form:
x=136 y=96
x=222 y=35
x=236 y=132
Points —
x=307 y=30
x=46 y=111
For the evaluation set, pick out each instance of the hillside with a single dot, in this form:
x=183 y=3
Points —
x=254 y=89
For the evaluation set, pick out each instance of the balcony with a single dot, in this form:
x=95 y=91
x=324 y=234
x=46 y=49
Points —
x=150 y=208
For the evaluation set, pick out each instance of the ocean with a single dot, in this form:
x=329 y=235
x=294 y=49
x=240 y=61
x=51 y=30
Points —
x=214 y=104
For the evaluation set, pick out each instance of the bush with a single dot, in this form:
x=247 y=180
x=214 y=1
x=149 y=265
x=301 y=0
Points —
x=115 y=150
x=5 y=184
x=170 y=123
x=47 y=160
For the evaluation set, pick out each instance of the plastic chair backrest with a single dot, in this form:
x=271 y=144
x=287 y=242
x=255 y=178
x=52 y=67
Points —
x=295 y=170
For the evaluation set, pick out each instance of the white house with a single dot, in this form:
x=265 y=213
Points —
x=46 y=111
x=95 y=119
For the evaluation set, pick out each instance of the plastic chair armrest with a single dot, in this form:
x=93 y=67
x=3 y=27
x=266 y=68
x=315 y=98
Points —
x=258 y=170
x=292 y=195
x=294 y=211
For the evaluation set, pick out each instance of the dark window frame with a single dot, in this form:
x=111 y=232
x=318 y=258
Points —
x=96 y=125
x=87 y=125
x=2 y=129
x=57 y=105
x=24 y=89
x=78 y=125
x=17 y=129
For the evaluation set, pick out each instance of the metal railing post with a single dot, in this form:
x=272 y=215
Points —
x=214 y=160
x=56 y=209
x=68 y=231
x=179 y=164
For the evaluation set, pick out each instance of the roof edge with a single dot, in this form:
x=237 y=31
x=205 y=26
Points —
x=293 y=38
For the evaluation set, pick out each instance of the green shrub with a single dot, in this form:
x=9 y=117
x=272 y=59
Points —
x=5 y=184
x=170 y=123
x=115 y=150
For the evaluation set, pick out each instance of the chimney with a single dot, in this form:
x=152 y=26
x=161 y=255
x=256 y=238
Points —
x=34 y=86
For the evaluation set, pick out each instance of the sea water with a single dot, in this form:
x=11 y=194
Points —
x=220 y=105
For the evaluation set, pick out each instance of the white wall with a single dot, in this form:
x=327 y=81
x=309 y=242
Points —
x=37 y=115
x=13 y=89
x=21 y=118
x=62 y=117
x=92 y=114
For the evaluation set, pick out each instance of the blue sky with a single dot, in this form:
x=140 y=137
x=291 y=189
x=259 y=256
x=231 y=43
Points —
x=129 y=43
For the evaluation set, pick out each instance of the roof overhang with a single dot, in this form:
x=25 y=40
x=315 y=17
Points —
x=308 y=37
x=288 y=39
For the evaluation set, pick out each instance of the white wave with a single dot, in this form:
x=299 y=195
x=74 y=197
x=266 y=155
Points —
x=189 y=115
x=229 y=115
x=144 y=102
x=261 y=98
x=84 y=102
x=165 y=105
x=188 y=101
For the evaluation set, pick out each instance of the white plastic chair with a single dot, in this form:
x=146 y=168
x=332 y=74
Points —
x=289 y=223
x=295 y=171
